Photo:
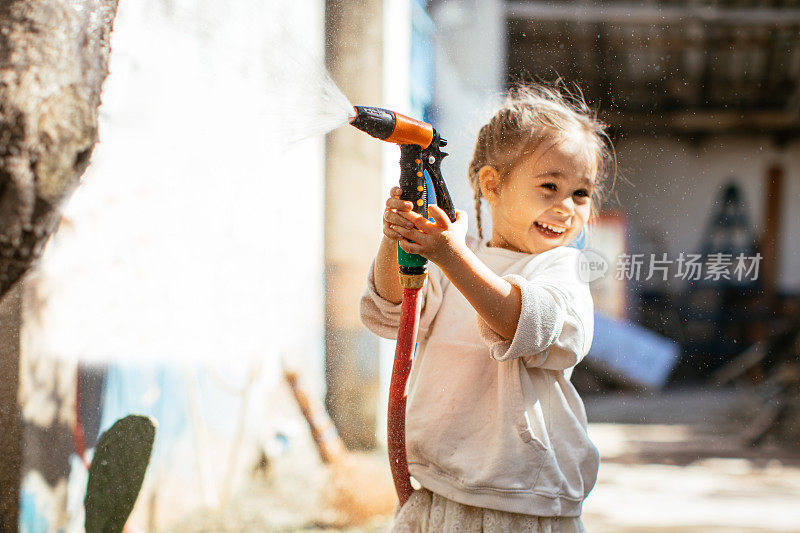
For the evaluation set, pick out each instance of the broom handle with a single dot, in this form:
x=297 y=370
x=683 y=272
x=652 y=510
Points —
x=329 y=445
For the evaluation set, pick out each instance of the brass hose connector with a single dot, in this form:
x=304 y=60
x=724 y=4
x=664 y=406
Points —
x=413 y=281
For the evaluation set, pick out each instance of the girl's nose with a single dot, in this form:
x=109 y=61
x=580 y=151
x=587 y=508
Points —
x=565 y=206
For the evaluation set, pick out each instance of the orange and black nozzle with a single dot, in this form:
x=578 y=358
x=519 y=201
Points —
x=392 y=127
x=420 y=150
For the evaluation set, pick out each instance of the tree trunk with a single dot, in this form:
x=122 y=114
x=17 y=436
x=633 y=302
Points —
x=53 y=61
x=10 y=417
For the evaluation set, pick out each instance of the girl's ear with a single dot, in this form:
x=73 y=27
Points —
x=490 y=182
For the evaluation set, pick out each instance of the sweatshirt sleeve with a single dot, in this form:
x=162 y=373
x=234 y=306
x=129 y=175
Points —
x=382 y=317
x=556 y=321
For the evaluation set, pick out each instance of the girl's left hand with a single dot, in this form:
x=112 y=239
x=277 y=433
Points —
x=437 y=241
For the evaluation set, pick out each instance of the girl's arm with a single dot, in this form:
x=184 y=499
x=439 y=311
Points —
x=387 y=280
x=380 y=303
x=497 y=301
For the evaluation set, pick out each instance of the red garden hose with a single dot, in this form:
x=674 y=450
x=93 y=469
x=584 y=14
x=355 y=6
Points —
x=406 y=339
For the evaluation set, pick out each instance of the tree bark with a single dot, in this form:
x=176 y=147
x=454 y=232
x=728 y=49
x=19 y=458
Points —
x=53 y=61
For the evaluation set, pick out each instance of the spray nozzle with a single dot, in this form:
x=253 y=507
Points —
x=420 y=150
x=392 y=127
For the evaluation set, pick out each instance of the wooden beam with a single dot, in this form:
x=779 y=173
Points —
x=675 y=39
x=705 y=121
x=770 y=234
x=631 y=13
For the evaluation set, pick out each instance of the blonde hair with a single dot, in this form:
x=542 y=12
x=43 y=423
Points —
x=531 y=114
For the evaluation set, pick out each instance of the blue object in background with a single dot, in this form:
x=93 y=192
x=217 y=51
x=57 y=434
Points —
x=33 y=517
x=631 y=353
x=148 y=389
x=421 y=57
x=579 y=242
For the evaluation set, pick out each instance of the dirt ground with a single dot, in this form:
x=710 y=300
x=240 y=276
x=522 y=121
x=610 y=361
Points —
x=672 y=462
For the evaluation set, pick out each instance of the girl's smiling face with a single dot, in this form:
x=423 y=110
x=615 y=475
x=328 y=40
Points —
x=545 y=200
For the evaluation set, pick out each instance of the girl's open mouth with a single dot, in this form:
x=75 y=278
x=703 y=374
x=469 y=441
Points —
x=549 y=231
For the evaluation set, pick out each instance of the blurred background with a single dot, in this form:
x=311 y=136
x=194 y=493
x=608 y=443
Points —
x=220 y=241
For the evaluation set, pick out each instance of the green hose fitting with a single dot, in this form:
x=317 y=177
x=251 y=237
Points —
x=414 y=261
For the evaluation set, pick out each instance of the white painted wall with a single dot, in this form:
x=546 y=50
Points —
x=196 y=237
x=197 y=233
x=674 y=185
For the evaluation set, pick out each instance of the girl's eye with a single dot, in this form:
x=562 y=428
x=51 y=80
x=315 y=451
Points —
x=551 y=186
x=582 y=193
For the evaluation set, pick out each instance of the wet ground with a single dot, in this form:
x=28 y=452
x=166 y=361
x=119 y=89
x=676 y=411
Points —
x=672 y=462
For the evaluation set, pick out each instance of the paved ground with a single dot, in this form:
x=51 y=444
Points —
x=675 y=462
x=670 y=463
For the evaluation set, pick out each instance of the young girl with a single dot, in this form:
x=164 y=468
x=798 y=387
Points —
x=495 y=432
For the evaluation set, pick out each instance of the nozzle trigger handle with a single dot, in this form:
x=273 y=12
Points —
x=412 y=181
x=432 y=159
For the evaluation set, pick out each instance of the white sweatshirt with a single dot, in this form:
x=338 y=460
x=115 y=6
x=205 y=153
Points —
x=491 y=422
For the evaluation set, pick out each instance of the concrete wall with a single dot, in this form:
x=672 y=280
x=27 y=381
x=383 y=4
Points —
x=352 y=213
x=370 y=47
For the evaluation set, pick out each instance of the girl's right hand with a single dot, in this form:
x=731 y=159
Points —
x=392 y=216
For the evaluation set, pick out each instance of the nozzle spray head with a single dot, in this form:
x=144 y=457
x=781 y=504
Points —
x=392 y=127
